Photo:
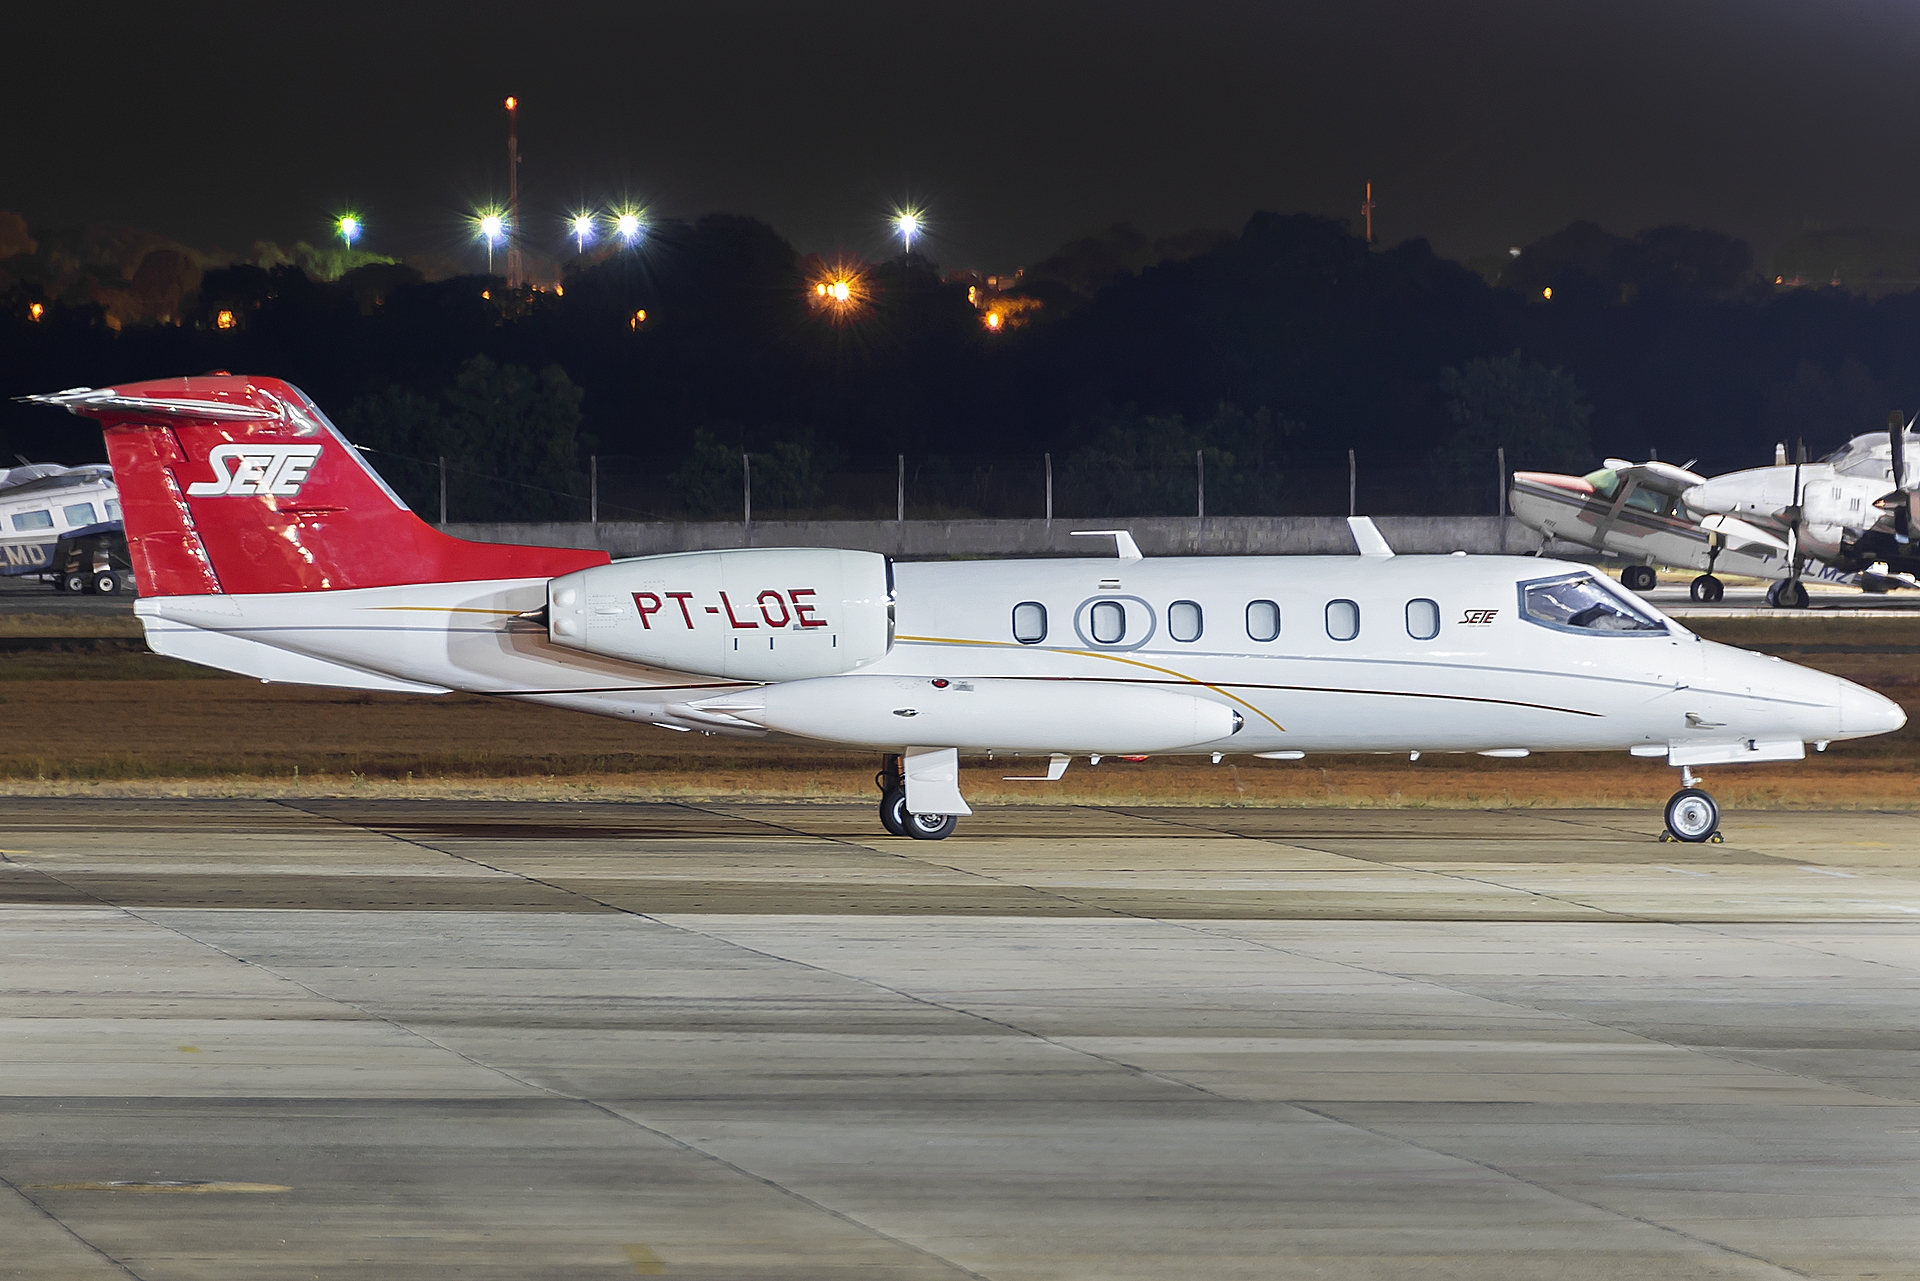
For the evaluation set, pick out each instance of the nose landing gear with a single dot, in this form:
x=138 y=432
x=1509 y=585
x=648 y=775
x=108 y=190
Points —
x=1692 y=815
x=1787 y=594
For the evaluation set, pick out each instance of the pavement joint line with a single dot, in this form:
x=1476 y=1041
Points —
x=62 y=1224
x=906 y=858
x=1707 y=1242
x=594 y=1104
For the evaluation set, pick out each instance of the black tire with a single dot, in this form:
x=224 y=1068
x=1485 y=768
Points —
x=1693 y=816
x=105 y=583
x=931 y=827
x=1644 y=579
x=1788 y=594
x=1706 y=589
x=893 y=811
x=73 y=583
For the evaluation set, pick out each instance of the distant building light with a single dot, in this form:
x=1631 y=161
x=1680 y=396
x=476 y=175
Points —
x=993 y=321
x=559 y=291
x=1779 y=280
x=1514 y=252
x=486 y=293
x=1547 y=293
x=639 y=319
x=821 y=289
x=224 y=320
x=35 y=311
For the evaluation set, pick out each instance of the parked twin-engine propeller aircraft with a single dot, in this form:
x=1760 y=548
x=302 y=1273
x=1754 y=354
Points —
x=265 y=545
x=1846 y=519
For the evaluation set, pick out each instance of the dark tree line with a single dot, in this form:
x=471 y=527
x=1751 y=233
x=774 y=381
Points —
x=1271 y=353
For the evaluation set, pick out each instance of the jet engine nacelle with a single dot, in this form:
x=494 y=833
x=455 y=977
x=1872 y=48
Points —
x=757 y=614
x=983 y=714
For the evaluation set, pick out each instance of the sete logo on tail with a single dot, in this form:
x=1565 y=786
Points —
x=279 y=470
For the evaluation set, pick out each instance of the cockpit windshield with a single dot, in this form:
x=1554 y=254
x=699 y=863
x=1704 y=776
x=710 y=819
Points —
x=1578 y=603
x=1606 y=484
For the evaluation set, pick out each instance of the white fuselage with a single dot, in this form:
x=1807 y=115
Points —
x=1489 y=679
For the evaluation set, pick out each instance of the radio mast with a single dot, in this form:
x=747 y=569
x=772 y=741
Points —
x=515 y=277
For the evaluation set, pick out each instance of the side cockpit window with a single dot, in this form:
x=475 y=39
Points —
x=1578 y=603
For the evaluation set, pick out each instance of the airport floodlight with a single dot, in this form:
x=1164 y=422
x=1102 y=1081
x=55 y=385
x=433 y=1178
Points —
x=628 y=224
x=840 y=290
x=582 y=225
x=909 y=223
x=491 y=225
x=349 y=226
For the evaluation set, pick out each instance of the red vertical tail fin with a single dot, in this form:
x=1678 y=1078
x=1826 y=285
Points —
x=240 y=485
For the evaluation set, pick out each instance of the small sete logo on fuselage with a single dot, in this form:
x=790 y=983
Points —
x=278 y=470
x=1477 y=617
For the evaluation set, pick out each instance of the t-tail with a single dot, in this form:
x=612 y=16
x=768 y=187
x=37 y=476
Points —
x=240 y=485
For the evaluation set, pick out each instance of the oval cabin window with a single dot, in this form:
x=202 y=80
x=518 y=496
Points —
x=1108 y=619
x=1183 y=620
x=1343 y=619
x=1423 y=619
x=1263 y=620
x=1030 y=622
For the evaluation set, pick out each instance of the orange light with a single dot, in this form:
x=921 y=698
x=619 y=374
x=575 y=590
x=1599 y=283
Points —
x=993 y=321
x=35 y=310
x=841 y=291
x=639 y=319
x=513 y=104
x=486 y=293
x=224 y=320
x=821 y=290
x=559 y=291
x=1547 y=293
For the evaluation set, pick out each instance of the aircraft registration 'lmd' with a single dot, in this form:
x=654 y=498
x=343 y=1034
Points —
x=265 y=545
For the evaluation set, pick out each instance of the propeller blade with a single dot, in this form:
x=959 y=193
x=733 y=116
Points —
x=1897 y=436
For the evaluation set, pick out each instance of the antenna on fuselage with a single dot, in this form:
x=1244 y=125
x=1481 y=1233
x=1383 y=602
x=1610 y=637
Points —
x=1123 y=543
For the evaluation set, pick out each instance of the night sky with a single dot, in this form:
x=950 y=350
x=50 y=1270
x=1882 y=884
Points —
x=1017 y=125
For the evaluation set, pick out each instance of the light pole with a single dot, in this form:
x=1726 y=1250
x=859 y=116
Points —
x=491 y=225
x=908 y=222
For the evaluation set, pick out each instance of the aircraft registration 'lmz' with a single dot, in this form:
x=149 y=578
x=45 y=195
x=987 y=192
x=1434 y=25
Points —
x=264 y=544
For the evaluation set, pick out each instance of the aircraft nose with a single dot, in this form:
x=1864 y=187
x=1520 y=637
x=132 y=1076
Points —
x=1864 y=712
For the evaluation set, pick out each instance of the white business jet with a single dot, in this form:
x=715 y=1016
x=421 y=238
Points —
x=265 y=545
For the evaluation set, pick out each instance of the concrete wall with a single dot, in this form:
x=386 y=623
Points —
x=936 y=539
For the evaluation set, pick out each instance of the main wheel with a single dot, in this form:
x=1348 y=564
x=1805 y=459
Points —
x=893 y=811
x=1692 y=815
x=72 y=583
x=106 y=583
x=1788 y=593
x=1639 y=578
x=931 y=827
x=1706 y=589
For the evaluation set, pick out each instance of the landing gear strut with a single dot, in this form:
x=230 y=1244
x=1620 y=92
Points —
x=894 y=814
x=1692 y=815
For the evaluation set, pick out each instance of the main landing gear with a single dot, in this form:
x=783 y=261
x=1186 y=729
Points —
x=1706 y=589
x=1692 y=815
x=894 y=814
x=1639 y=578
x=1788 y=594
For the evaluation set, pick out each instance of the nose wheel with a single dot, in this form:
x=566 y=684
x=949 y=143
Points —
x=1787 y=594
x=1692 y=816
